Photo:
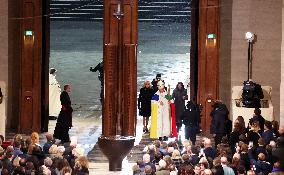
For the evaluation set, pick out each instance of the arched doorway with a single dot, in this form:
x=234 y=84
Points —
x=33 y=95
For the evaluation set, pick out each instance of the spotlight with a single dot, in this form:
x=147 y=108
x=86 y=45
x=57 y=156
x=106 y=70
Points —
x=249 y=36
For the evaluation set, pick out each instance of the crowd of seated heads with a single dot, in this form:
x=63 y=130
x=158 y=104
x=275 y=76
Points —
x=25 y=156
x=247 y=151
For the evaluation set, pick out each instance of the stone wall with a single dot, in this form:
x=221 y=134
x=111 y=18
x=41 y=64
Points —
x=264 y=18
x=4 y=41
x=282 y=71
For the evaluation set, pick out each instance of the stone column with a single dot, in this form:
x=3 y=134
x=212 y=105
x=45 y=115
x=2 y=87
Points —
x=282 y=71
x=3 y=60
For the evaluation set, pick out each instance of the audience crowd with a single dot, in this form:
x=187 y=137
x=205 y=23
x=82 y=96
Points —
x=252 y=150
x=25 y=156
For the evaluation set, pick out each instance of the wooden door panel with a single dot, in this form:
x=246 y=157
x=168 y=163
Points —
x=30 y=66
x=208 y=60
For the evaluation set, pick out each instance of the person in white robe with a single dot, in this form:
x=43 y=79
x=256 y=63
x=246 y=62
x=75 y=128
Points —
x=160 y=114
x=54 y=94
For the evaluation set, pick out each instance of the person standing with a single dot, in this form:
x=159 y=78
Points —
x=144 y=103
x=179 y=96
x=64 y=121
x=54 y=95
x=160 y=114
x=190 y=119
x=219 y=115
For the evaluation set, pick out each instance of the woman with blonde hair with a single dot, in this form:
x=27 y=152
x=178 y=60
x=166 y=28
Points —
x=144 y=103
x=81 y=165
x=35 y=138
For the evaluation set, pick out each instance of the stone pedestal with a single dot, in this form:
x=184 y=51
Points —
x=116 y=149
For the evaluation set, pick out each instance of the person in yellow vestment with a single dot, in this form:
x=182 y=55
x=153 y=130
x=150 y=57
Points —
x=160 y=114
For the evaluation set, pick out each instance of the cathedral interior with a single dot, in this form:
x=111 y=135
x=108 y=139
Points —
x=203 y=43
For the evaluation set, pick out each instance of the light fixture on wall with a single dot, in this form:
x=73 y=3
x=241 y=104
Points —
x=250 y=37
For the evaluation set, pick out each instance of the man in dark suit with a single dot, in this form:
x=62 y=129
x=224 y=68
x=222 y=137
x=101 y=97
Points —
x=219 y=115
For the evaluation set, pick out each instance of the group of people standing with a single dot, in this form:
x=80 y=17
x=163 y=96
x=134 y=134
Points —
x=168 y=111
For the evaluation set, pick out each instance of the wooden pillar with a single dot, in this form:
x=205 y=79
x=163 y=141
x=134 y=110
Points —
x=208 y=60
x=120 y=64
x=120 y=74
x=30 y=66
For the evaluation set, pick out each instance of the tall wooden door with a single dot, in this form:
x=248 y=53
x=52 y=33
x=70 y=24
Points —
x=208 y=57
x=120 y=64
x=30 y=66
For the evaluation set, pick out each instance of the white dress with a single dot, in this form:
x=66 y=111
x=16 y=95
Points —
x=54 y=96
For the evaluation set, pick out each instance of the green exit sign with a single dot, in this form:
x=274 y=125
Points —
x=28 y=33
x=211 y=36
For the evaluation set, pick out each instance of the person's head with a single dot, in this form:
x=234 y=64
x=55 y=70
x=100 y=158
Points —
x=224 y=161
x=207 y=172
x=257 y=111
x=147 y=84
x=60 y=150
x=35 y=138
x=53 y=149
x=176 y=154
x=146 y=158
x=261 y=157
x=244 y=148
x=157 y=143
x=17 y=144
x=136 y=169
x=49 y=137
x=162 y=164
x=185 y=157
x=217 y=162
x=207 y=143
x=148 y=169
x=180 y=85
x=241 y=170
x=161 y=85
x=267 y=125
x=261 y=141
x=194 y=150
x=82 y=161
x=250 y=172
x=48 y=162
x=275 y=125
x=158 y=77
x=66 y=170
x=67 y=88
x=52 y=71
x=197 y=169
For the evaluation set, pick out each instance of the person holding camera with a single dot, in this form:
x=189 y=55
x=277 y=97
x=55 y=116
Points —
x=155 y=82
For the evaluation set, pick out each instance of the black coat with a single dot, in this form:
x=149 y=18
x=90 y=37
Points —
x=219 y=116
x=64 y=121
x=179 y=100
x=144 y=101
